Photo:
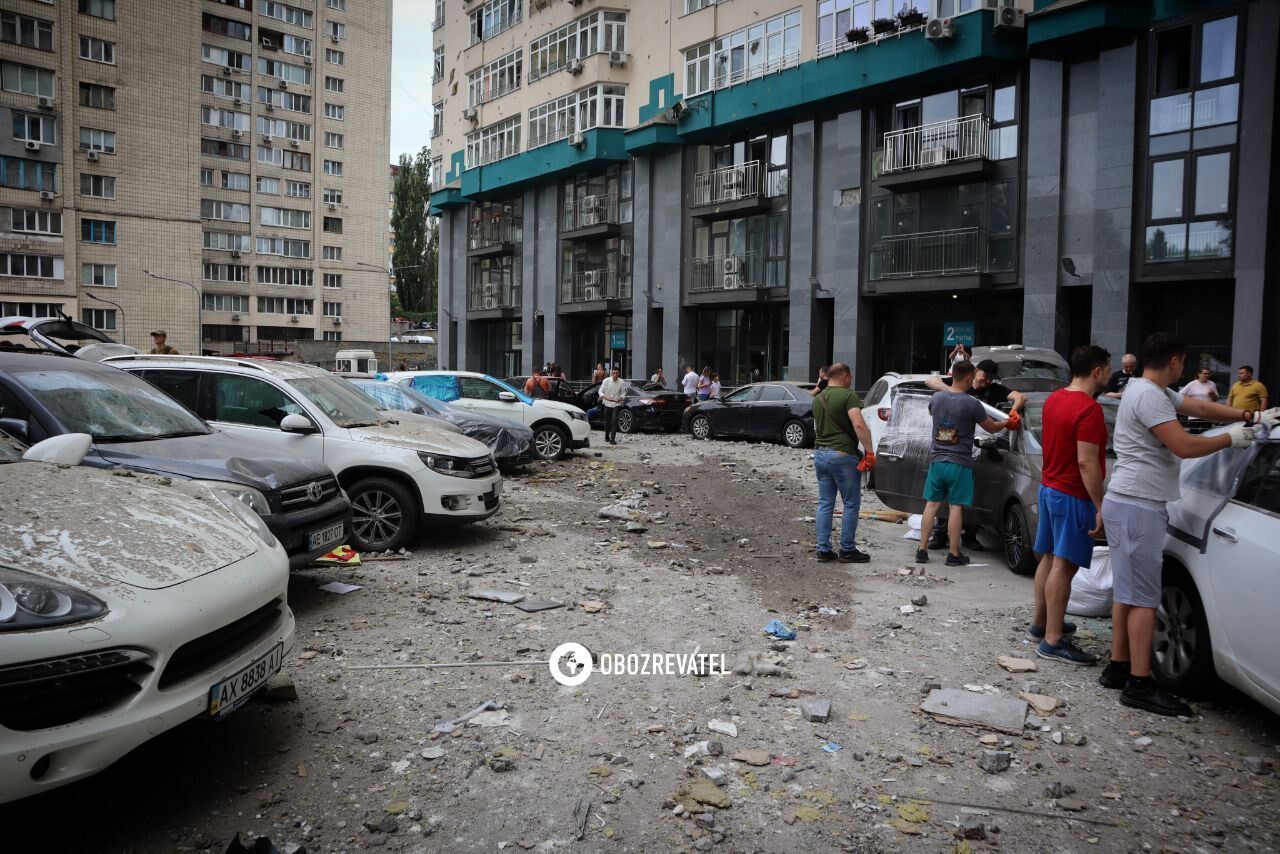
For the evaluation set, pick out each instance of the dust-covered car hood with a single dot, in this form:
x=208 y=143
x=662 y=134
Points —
x=215 y=456
x=560 y=405
x=420 y=435
x=94 y=528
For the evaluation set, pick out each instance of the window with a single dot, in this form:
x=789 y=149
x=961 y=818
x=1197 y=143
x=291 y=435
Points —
x=332 y=140
x=102 y=319
x=437 y=119
x=244 y=400
x=268 y=186
x=223 y=27
x=97 y=231
x=494 y=142
x=98 y=186
x=695 y=5
x=98 y=275
x=334 y=111
x=495 y=79
x=229 y=211
x=297 y=161
x=224 y=302
x=275 y=40
x=332 y=224
x=298 y=277
x=238 y=4
x=298 y=189
x=99 y=9
x=333 y=197
x=285 y=305
x=335 y=56
x=30 y=266
x=284 y=217
x=220 y=118
x=602 y=105
x=332 y=309
x=492 y=18
x=599 y=31
x=20 y=174
x=94 y=139
x=222 y=148
x=333 y=280
x=332 y=335
x=97 y=50
x=225 y=272
x=225 y=241
x=284 y=128
x=286 y=71
x=101 y=97
x=333 y=253
x=333 y=167
x=30 y=127
x=232 y=180
x=284 y=100
x=284 y=12
x=335 y=30
x=437 y=64
x=697 y=70
x=334 y=84
x=837 y=17
x=284 y=246
x=26 y=31
x=222 y=87
x=27 y=79
x=36 y=222
x=340 y=5
x=756 y=50
x=224 y=57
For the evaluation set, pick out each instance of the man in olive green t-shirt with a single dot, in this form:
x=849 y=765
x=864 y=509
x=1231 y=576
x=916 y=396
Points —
x=838 y=429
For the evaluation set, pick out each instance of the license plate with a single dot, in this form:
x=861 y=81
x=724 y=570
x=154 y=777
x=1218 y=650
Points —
x=324 y=537
x=230 y=693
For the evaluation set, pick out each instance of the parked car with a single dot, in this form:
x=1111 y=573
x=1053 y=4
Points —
x=1006 y=470
x=508 y=440
x=1221 y=579
x=138 y=427
x=1027 y=369
x=400 y=476
x=776 y=412
x=557 y=427
x=59 y=334
x=648 y=407
x=128 y=606
x=561 y=390
x=878 y=403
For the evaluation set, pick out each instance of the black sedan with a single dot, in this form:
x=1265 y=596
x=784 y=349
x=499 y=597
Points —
x=561 y=390
x=647 y=407
x=776 y=412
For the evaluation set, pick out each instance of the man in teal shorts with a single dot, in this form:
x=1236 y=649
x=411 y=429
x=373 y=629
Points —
x=956 y=415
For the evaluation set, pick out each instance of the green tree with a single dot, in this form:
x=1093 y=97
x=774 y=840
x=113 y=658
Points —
x=412 y=190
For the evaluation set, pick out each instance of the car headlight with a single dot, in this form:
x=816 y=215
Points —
x=242 y=512
x=30 y=602
x=246 y=495
x=452 y=466
x=577 y=415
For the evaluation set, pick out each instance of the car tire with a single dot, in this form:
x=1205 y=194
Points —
x=794 y=435
x=1181 y=655
x=700 y=427
x=626 y=421
x=384 y=515
x=550 y=442
x=1017 y=541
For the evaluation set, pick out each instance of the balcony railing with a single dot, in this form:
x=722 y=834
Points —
x=487 y=296
x=499 y=25
x=593 y=285
x=936 y=144
x=929 y=253
x=727 y=272
x=726 y=77
x=728 y=183
x=589 y=211
x=487 y=233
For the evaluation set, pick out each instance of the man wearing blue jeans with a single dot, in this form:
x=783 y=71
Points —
x=838 y=429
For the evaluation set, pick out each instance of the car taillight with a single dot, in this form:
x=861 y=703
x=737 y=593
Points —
x=649 y=401
x=883 y=412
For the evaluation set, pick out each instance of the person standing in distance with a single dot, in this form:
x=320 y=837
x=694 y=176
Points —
x=689 y=384
x=839 y=429
x=1115 y=385
x=1246 y=392
x=1201 y=388
x=658 y=379
x=159 y=347
x=613 y=393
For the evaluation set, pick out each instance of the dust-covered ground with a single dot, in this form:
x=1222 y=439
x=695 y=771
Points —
x=354 y=763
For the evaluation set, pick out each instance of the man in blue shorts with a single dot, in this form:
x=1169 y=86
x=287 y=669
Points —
x=956 y=416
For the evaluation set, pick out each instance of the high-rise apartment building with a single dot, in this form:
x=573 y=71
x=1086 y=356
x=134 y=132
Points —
x=235 y=145
x=764 y=186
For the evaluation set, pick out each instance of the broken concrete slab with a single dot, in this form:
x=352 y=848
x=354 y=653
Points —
x=531 y=604
x=965 y=708
x=1042 y=703
x=816 y=711
x=723 y=727
x=509 y=597
x=752 y=757
x=1016 y=665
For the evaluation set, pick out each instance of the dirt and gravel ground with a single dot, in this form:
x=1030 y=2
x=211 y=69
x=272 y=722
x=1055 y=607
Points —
x=353 y=763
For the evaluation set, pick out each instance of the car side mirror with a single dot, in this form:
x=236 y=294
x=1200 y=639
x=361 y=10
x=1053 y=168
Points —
x=506 y=397
x=295 y=423
x=15 y=427
x=65 y=450
x=991 y=447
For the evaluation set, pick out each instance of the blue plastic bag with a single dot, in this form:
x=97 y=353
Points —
x=779 y=630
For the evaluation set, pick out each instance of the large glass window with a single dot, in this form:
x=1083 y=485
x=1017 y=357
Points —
x=493 y=142
x=495 y=79
x=599 y=31
x=756 y=50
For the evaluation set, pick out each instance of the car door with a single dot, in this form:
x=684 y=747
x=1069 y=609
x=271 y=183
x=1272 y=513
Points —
x=480 y=395
x=250 y=408
x=728 y=418
x=765 y=415
x=902 y=455
x=1243 y=554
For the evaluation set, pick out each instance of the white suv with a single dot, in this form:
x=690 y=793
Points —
x=398 y=475
x=557 y=427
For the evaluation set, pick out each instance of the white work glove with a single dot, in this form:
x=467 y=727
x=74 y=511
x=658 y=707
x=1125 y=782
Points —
x=1241 y=435
x=1269 y=418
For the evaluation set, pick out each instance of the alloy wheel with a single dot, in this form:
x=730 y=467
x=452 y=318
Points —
x=626 y=421
x=548 y=444
x=793 y=434
x=1014 y=536
x=700 y=427
x=376 y=516
x=1174 y=642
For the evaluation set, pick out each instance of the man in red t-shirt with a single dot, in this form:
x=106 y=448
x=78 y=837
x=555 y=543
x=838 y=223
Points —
x=1073 y=439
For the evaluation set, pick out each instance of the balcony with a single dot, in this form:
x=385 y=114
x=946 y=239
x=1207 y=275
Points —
x=590 y=216
x=737 y=189
x=728 y=277
x=494 y=236
x=954 y=149
x=951 y=259
x=595 y=290
x=493 y=300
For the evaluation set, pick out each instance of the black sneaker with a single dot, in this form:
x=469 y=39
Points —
x=922 y=556
x=826 y=556
x=937 y=541
x=972 y=543
x=1066 y=651
x=854 y=556
x=1150 y=697
x=957 y=560
x=1115 y=675
x=1036 y=633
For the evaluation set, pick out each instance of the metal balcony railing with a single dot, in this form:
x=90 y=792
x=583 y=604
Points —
x=486 y=296
x=929 y=253
x=936 y=144
x=727 y=272
x=592 y=285
x=589 y=211
x=726 y=76
x=500 y=24
x=728 y=183
x=486 y=233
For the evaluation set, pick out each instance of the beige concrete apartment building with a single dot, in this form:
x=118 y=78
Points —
x=235 y=146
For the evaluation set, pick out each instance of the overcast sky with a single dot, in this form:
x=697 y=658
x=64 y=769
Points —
x=410 y=76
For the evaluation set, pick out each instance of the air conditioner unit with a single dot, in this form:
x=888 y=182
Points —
x=489 y=289
x=489 y=302
x=617 y=57
x=933 y=156
x=294 y=143
x=333 y=39
x=732 y=282
x=574 y=66
x=45 y=102
x=470 y=114
x=237 y=101
x=578 y=140
x=235 y=317
x=293 y=318
x=46 y=195
x=731 y=185
x=337 y=321
x=284 y=84
x=267 y=139
x=678 y=111
x=1010 y=18
x=732 y=265
x=271 y=108
x=591 y=278
x=333 y=206
x=235 y=253
x=33 y=145
x=226 y=70
x=939 y=29
x=236 y=133
x=92 y=155
x=306 y=60
x=591 y=294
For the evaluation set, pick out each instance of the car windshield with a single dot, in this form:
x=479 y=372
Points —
x=345 y=405
x=111 y=406
x=1035 y=368
x=524 y=398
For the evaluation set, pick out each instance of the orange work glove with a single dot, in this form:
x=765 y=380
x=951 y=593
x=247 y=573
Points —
x=1015 y=421
x=868 y=462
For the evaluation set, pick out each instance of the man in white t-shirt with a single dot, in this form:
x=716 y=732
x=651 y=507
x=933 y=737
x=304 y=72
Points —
x=1201 y=388
x=1149 y=442
x=689 y=384
x=613 y=393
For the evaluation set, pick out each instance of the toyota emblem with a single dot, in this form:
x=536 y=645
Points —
x=315 y=491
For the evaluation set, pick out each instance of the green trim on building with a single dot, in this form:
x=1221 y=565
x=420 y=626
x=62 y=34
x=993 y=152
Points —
x=652 y=137
x=1066 y=26
x=662 y=94
x=601 y=146
x=442 y=200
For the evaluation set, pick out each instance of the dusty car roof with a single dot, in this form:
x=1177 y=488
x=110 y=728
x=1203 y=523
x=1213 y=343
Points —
x=283 y=370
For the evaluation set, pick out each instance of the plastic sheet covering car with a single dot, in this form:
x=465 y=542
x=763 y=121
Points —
x=441 y=387
x=1207 y=484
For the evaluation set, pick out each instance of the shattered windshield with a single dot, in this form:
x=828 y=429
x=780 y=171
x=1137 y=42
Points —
x=111 y=406
x=345 y=405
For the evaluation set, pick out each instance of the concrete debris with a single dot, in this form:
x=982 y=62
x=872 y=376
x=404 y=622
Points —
x=1069 y=804
x=1043 y=704
x=508 y=597
x=920 y=601
x=532 y=604
x=368 y=736
x=703 y=748
x=1016 y=665
x=716 y=775
x=907 y=609
x=816 y=711
x=432 y=753
x=995 y=761
x=723 y=727
x=279 y=688
x=636 y=528
x=1257 y=765
x=500 y=717
x=1142 y=742
x=964 y=708
x=752 y=757
x=1031 y=687
x=970 y=827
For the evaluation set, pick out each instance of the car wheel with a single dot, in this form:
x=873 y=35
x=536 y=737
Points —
x=626 y=421
x=1017 y=541
x=794 y=435
x=383 y=515
x=549 y=442
x=700 y=427
x=1182 y=657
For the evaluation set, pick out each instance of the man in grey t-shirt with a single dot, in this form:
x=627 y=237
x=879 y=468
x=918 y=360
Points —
x=1149 y=442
